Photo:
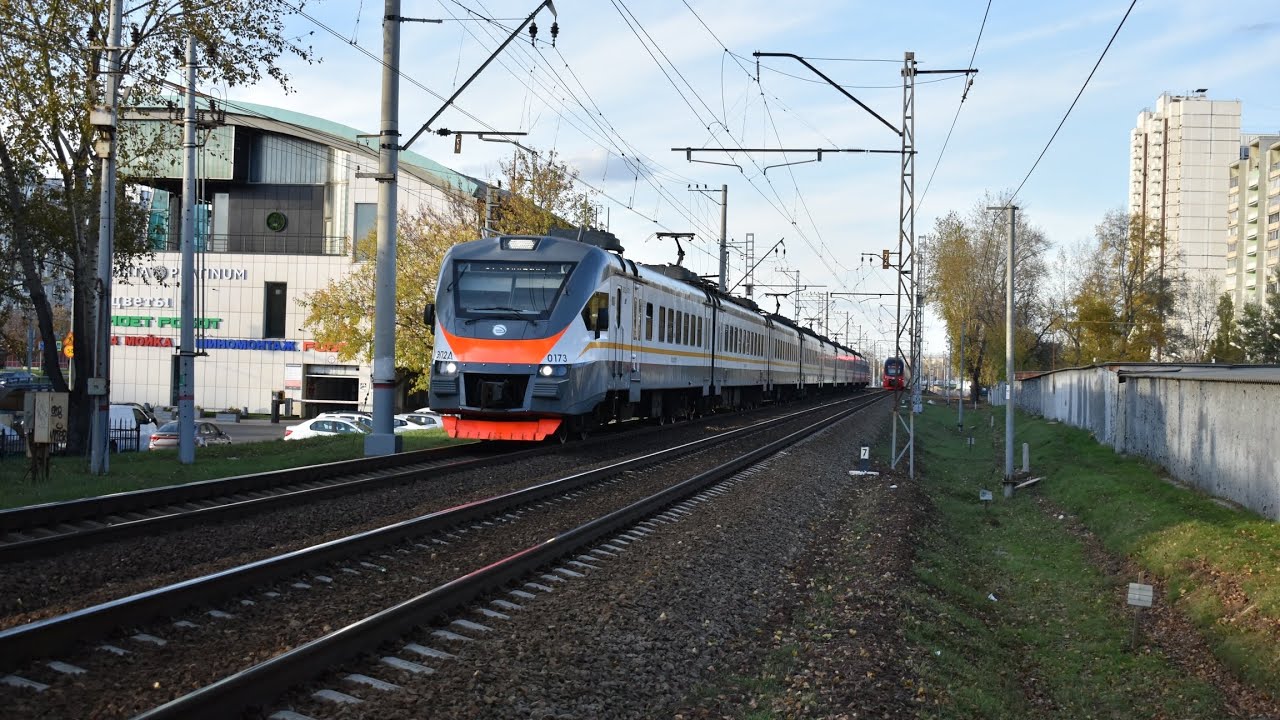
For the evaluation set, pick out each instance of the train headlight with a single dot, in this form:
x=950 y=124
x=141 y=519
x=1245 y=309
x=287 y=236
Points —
x=447 y=368
x=547 y=371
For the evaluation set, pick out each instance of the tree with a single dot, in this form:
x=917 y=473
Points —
x=1198 y=307
x=541 y=196
x=52 y=67
x=1123 y=307
x=1226 y=346
x=966 y=284
x=1258 y=329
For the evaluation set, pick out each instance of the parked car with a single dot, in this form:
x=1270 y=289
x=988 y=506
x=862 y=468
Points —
x=352 y=417
x=429 y=413
x=423 y=421
x=131 y=427
x=206 y=434
x=323 y=427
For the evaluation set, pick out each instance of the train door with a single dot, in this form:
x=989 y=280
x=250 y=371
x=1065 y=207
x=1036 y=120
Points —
x=618 y=334
x=634 y=347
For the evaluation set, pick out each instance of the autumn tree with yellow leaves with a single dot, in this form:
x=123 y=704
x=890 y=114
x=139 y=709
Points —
x=534 y=195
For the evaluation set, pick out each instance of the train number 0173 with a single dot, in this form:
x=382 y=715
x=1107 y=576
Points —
x=557 y=358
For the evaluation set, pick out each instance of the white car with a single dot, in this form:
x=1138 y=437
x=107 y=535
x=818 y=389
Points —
x=413 y=422
x=423 y=421
x=323 y=427
x=355 y=418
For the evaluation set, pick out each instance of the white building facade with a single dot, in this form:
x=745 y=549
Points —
x=1178 y=169
x=1253 y=221
x=280 y=204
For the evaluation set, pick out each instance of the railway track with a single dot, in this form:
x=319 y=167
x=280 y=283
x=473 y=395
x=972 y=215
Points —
x=42 y=530
x=56 y=635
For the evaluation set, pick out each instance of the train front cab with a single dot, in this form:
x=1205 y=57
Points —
x=514 y=320
x=894 y=374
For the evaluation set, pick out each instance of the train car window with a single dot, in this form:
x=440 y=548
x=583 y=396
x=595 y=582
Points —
x=617 y=309
x=684 y=329
x=699 y=331
x=648 y=321
x=591 y=313
x=662 y=324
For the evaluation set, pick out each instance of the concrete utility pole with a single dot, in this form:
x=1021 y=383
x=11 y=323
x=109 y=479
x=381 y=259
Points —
x=187 y=340
x=383 y=440
x=960 y=395
x=724 y=236
x=1008 y=352
x=100 y=428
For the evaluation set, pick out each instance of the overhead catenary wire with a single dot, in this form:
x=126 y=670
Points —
x=963 y=96
x=1073 y=103
x=637 y=28
x=605 y=130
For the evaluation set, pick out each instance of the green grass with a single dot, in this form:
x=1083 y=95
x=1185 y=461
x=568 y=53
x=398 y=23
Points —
x=1054 y=643
x=69 y=477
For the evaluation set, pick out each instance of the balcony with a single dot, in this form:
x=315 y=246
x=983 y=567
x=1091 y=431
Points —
x=1253 y=180
x=1232 y=253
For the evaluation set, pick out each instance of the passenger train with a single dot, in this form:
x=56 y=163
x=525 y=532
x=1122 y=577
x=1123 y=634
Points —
x=554 y=335
x=895 y=374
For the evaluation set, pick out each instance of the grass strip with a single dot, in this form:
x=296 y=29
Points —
x=1219 y=565
x=69 y=477
x=1016 y=620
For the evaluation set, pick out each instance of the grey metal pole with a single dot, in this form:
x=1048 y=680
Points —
x=99 y=427
x=1008 y=358
x=960 y=404
x=724 y=236
x=187 y=339
x=383 y=440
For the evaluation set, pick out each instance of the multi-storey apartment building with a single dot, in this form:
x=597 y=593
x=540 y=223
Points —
x=1253 y=220
x=1178 y=167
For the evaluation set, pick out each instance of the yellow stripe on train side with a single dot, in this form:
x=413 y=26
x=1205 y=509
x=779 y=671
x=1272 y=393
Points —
x=603 y=345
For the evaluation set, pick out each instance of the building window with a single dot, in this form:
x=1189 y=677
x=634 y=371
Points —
x=274 y=306
x=366 y=218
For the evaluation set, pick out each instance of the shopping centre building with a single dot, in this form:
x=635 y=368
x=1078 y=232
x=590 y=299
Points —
x=281 y=201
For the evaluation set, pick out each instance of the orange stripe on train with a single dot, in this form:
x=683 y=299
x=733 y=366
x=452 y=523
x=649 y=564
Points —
x=501 y=351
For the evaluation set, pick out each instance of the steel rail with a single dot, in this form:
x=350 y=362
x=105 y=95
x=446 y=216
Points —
x=45 y=637
x=272 y=677
x=67 y=536
x=48 y=514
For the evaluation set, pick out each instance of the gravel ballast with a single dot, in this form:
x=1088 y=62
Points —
x=665 y=618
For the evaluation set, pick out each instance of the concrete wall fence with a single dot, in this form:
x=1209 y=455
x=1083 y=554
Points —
x=1214 y=427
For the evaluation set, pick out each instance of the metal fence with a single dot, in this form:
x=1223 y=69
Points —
x=121 y=438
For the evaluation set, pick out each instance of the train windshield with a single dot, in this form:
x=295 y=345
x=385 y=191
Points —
x=519 y=290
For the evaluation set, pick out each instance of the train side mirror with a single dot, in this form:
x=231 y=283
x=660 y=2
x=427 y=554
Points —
x=429 y=316
x=602 y=320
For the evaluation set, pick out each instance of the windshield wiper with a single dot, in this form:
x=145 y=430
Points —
x=502 y=313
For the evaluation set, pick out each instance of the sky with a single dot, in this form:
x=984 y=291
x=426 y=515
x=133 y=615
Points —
x=627 y=81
